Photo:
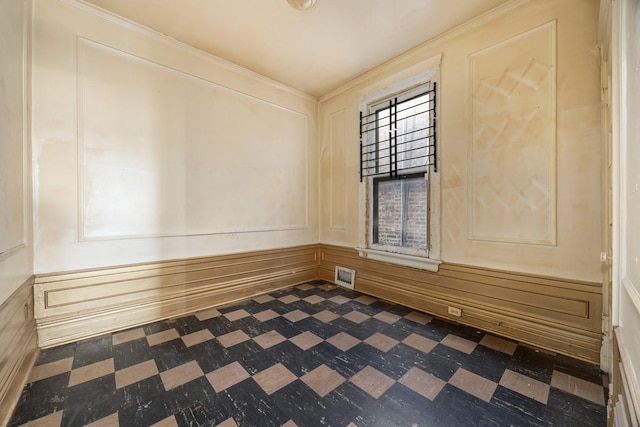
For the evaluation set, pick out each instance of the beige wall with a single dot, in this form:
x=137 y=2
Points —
x=518 y=134
x=16 y=263
x=147 y=149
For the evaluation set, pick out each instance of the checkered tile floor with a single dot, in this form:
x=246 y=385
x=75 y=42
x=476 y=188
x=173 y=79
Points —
x=307 y=356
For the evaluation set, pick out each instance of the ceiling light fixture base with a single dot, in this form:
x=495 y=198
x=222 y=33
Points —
x=302 y=4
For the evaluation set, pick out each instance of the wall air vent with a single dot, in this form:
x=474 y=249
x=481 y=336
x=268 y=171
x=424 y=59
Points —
x=345 y=277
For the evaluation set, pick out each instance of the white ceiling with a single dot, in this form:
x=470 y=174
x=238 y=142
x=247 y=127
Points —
x=316 y=50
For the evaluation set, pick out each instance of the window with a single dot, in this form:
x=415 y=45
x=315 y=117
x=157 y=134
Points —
x=398 y=158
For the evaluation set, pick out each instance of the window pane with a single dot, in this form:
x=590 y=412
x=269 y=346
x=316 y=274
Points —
x=416 y=217
x=413 y=126
x=389 y=213
x=400 y=213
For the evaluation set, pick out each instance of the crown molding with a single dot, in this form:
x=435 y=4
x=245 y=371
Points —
x=153 y=34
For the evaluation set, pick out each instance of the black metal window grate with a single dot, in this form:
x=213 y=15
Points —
x=399 y=137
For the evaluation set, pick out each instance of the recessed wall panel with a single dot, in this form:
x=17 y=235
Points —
x=513 y=142
x=12 y=128
x=337 y=171
x=164 y=153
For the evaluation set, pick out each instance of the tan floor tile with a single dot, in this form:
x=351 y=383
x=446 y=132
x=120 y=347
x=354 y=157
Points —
x=343 y=341
x=381 y=342
x=499 y=344
x=167 y=422
x=263 y=316
x=323 y=380
x=351 y=425
x=49 y=370
x=422 y=383
x=229 y=422
x=263 y=298
x=295 y=315
x=274 y=378
x=289 y=423
x=91 y=372
x=366 y=299
x=197 y=337
x=476 y=385
x=164 y=336
x=327 y=287
x=579 y=387
x=420 y=343
x=182 y=374
x=372 y=381
x=305 y=287
x=109 y=421
x=227 y=376
x=51 y=420
x=387 y=317
x=526 y=386
x=417 y=317
x=207 y=314
x=356 y=316
x=127 y=336
x=339 y=299
x=237 y=315
x=326 y=316
x=288 y=299
x=306 y=340
x=461 y=344
x=135 y=373
x=233 y=338
x=313 y=299
x=269 y=339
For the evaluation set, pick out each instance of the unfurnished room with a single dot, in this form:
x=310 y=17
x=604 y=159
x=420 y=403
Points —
x=319 y=213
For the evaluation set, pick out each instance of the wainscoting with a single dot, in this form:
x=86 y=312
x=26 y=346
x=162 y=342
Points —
x=556 y=314
x=551 y=313
x=18 y=346
x=83 y=304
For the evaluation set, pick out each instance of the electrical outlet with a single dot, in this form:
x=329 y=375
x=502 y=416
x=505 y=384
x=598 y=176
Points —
x=455 y=311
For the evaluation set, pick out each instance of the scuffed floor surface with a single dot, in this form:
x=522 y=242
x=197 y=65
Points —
x=308 y=356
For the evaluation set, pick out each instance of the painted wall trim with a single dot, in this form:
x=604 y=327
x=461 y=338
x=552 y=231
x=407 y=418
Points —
x=560 y=315
x=83 y=304
x=215 y=60
x=18 y=347
x=402 y=259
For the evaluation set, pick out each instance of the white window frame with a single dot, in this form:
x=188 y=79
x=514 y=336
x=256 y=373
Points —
x=425 y=260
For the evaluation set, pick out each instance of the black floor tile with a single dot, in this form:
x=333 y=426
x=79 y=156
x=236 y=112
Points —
x=41 y=398
x=90 y=401
x=564 y=409
x=54 y=354
x=130 y=353
x=88 y=352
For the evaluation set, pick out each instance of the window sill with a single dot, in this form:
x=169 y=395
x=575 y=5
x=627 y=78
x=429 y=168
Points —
x=401 y=259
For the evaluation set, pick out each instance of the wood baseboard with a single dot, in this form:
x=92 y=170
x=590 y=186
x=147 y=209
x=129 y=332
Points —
x=18 y=347
x=78 y=305
x=556 y=314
